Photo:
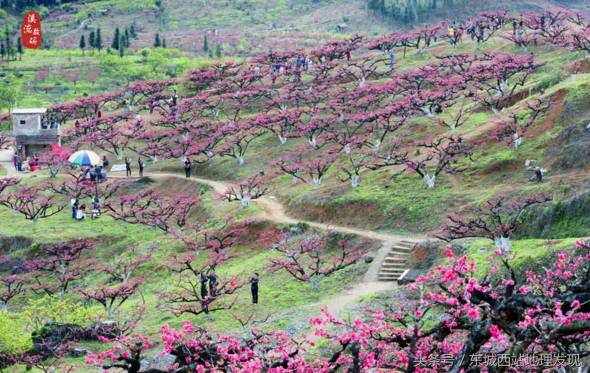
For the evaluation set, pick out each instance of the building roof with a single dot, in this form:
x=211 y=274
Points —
x=30 y=111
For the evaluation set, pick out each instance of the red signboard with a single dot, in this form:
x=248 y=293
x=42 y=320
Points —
x=31 y=30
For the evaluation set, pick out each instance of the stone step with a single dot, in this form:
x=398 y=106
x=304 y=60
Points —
x=398 y=254
x=394 y=259
x=391 y=274
x=392 y=270
x=393 y=264
x=391 y=278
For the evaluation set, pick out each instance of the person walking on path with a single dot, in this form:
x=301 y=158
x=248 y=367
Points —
x=213 y=284
x=187 y=167
x=105 y=161
x=254 y=287
x=127 y=167
x=391 y=58
x=140 y=164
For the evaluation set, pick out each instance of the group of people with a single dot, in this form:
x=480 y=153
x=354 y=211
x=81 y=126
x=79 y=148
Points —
x=77 y=125
x=94 y=174
x=454 y=33
x=301 y=63
x=49 y=124
x=79 y=210
x=209 y=287
x=140 y=166
x=25 y=164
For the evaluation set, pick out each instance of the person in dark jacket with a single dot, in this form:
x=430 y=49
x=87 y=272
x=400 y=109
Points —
x=140 y=164
x=127 y=167
x=74 y=203
x=19 y=163
x=187 y=167
x=213 y=284
x=203 y=280
x=254 y=287
x=204 y=293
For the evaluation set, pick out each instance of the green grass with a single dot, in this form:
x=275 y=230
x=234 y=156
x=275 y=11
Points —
x=278 y=292
x=46 y=77
x=525 y=253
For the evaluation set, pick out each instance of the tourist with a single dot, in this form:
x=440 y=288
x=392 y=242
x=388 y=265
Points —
x=19 y=163
x=74 y=204
x=127 y=167
x=203 y=280
x=254 y=287
x=213 y=284
x=98 y=172
x=174 y=98
x=538 y=174
x=105 y=161
x=25 y=166
x=187 y=167
x=95 y=208
x=33 y=164
x=81 y=213
x=92 y=173
x=514 y=27
x=140 y=164
x=391 y=58
x=298 y=63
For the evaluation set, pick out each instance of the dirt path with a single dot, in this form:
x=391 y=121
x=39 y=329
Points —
x=274 y=211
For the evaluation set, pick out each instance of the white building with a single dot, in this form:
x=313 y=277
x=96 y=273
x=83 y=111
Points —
x=34 y=131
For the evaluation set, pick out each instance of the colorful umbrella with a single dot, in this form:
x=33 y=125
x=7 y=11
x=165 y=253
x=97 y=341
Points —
x=84 y=158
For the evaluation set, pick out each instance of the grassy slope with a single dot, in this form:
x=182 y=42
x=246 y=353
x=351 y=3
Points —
x=404 y=204
x=289 y=303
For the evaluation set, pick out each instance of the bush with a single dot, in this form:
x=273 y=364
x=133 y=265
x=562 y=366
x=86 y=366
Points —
x=50 y=309
x=13 y=336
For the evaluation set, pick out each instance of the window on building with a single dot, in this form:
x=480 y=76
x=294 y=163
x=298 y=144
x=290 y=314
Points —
x=22 y=121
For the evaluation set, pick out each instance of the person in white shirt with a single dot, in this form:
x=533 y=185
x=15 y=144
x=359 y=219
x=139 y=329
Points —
x=80 y=213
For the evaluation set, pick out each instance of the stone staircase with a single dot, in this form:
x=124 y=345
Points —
x=394 y=263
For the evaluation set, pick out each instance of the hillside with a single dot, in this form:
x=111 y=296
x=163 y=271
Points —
x=328 y=169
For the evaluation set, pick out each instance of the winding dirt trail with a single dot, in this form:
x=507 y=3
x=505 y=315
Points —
x=274 y=211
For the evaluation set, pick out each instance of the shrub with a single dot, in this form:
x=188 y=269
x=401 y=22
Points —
x=13 y=337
